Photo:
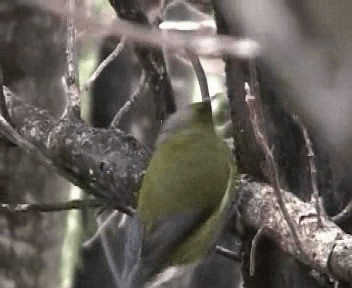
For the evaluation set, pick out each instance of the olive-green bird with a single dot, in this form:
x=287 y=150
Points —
x=185 y=194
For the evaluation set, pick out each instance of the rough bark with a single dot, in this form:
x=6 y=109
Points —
x=89 y=157
x=328 y=247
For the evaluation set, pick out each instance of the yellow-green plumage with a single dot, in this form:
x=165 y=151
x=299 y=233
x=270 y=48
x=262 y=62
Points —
x=191 y=175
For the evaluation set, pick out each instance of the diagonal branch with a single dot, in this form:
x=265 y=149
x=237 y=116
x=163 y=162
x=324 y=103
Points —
x=106 y=163
x=88 y=84
x=131 y=101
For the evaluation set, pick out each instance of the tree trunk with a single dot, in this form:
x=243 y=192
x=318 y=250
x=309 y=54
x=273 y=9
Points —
x=32 y=64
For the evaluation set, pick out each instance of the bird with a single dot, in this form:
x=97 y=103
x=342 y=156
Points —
x=185 y=195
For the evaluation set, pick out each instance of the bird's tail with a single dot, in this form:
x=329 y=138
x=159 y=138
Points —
x=119 y=237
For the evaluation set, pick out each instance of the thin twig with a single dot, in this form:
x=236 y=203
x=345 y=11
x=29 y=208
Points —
x=101 y=227
x=88 y=84
x=253 y=253
x=131 y=101
x=201 y=77
x=313 y=170
x=273 y=171
x=55 y=207
x=107 y=246
x=102 y=234
x=52 y=207
x=110 y=204
x=345 y=213
x=228 y=253
x=71 y=71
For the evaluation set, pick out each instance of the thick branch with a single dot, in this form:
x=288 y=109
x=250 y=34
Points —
x=329 y=248
x=106 y=163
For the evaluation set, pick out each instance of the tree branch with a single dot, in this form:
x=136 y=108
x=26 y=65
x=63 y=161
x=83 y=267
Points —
x=313 y=169
x=88 y=84
x=131 y=101
x=273 y=171
x=106 y=163
x=329 y=249
x=50 y=207
x=344 y=214
x=73 y=107
x=228 y=253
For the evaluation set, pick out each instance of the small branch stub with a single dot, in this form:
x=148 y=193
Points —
x=73 y=93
